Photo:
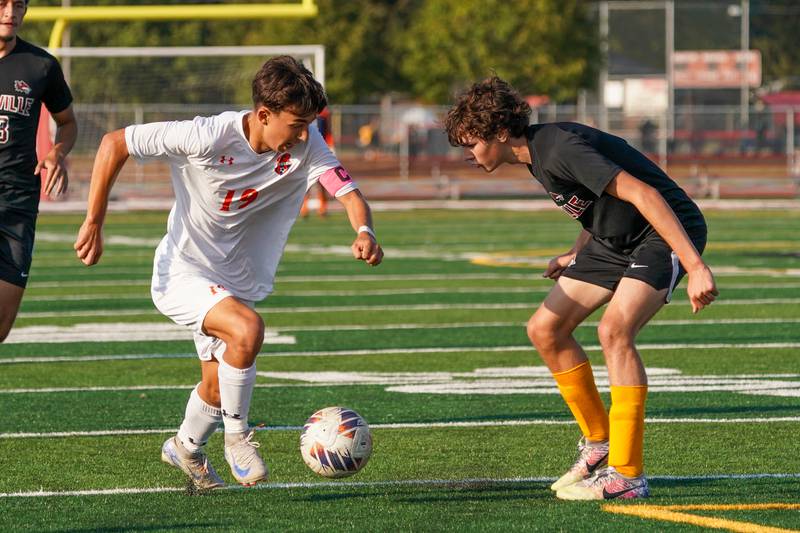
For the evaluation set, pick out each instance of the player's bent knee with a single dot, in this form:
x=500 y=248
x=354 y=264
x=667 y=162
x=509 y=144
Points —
x=613 y=335
x=249 y=336
x=542 y=333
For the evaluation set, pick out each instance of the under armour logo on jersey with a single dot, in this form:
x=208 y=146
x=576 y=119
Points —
x=21 y=86
x=226 y=160
x=284 y=162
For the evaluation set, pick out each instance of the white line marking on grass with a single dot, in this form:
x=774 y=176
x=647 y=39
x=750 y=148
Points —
x=500 y=275
x=164 y=331
x=120 y=240
x=406 y=425
x=116 y=332
x=363 y=293
x=376 y=308
x=465 y=482
x=397 y=351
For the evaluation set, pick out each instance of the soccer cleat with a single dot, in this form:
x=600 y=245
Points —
x=241 y=453
x=606 y=484
x=591 y=457
x=194 y=465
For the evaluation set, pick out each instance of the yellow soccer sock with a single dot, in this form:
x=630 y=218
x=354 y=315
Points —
x=580 y=393
x=627 y=429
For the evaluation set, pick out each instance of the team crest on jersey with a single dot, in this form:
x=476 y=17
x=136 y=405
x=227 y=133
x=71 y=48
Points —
x=284 y=163
x=21 y=86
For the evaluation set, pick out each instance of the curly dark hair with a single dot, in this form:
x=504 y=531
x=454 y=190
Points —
x=285 y=83
x=484 y=110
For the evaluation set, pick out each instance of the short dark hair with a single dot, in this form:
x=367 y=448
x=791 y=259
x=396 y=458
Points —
x=484 y=110
x=285 y=83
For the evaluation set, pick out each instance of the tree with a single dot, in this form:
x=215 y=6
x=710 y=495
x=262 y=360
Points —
x=540 y=46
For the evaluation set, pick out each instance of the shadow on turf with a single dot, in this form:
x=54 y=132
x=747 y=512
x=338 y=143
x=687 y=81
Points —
x=126 y=529
x=449 y=492
x=705 y=411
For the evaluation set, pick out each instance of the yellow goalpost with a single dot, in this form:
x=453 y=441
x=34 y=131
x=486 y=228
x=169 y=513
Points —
x=63 y=16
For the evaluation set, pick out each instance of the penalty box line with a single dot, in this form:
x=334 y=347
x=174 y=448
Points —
x=466 y=482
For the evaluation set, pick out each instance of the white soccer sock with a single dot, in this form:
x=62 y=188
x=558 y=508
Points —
x=235 y=391
x=199 y=423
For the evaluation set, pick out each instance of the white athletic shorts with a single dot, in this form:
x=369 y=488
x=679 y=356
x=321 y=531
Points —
x=186 y=298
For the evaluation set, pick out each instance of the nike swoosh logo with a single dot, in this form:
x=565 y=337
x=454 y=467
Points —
x=24 y=275
x=611 y=495
x=240 y=471
x=592 y=468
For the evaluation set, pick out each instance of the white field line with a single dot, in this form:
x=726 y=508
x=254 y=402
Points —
x=160 y=331
x=364 y=293
x=420 y=425
x=536 y=377
x=303 y=279
x=459 y=483
x=360 y=293
x=115 y=332
x=375 y=308
x=500 y=275
x=395 y=351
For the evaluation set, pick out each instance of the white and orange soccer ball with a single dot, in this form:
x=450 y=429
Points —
x=335 y=442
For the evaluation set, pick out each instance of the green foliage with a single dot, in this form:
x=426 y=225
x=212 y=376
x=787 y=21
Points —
x=540 y=46
x=421 y=49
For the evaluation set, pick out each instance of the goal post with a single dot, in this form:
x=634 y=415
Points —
x=63 y=16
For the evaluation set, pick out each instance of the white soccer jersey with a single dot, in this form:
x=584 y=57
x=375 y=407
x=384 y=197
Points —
x=233 y=207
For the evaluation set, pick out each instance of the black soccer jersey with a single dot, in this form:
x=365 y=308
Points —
x=575 y=163
x=29 y=76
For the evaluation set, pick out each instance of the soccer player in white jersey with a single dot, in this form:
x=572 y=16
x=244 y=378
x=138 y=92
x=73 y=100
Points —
x=239 y=181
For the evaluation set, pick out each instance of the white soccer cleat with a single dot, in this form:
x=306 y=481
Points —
x=592 y=456
x=606 y=484
x=241 y=452
x=194 y=465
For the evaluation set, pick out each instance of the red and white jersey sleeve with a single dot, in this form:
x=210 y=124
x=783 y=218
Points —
x=233 y=207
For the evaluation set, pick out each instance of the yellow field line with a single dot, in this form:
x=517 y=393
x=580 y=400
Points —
x=669 y=513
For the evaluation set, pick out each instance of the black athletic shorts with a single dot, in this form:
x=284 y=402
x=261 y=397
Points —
x=17 y=230
x=652 y=261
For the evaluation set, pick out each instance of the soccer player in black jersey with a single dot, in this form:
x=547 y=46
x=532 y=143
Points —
x=640 y=234
x=29 y=76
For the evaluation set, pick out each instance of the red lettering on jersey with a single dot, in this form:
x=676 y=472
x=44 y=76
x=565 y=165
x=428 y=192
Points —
x=575 y=207
x=248 y=197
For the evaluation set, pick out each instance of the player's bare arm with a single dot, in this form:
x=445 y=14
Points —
x=365 y=247
x=56 y=180
x=111 y=156
x=558 y=264
x=702 y=289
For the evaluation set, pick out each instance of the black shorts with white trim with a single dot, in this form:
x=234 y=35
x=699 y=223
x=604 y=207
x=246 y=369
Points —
x=17 y=229
x=652 y=262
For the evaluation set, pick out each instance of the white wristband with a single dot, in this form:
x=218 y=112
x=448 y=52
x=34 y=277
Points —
x=367 y=229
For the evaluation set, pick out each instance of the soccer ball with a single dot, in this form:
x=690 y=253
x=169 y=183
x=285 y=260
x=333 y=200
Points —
x=335 y=442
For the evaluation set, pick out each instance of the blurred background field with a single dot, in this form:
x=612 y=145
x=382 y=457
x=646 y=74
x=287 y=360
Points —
x=710 y=90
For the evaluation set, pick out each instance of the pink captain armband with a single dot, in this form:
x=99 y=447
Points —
x=337 y=181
